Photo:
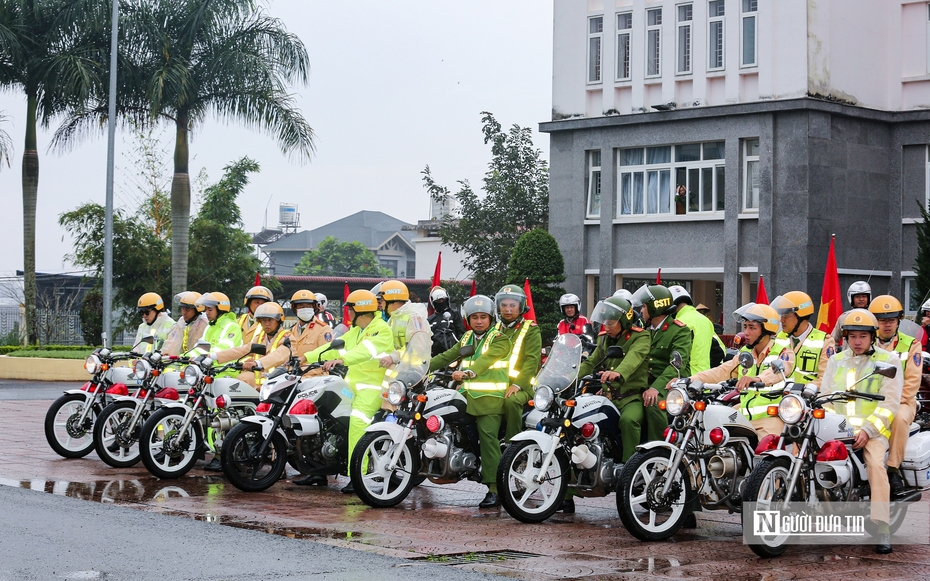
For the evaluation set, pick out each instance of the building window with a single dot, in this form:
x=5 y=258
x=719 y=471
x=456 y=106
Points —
x=593 y=184
x=911 y=302
x=595 y=34
x=684 y=38
x=715 y=35
x=624 y=31
x=751 y=175
x=653 y=42
x=389 y=264
x=645 y=180
x=749 y=33
x=700 y=169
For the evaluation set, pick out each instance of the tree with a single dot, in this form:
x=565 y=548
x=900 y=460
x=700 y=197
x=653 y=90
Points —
x=6 y=144
x=91 y=317
x=536 y=256
x=516 y=200
x=186 y=58
x=52 y=51
x=334 y=258
x=921 y=288
x=223 y=257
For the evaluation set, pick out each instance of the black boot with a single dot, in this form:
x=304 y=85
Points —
x=895 y=482
x=690 y=522
x=490 y=500
x=567 y=506
x=214 y=465
x=315 y=480
x=883 y=546
x=348 y=488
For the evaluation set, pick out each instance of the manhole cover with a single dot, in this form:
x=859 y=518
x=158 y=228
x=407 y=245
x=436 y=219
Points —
x=477 y=557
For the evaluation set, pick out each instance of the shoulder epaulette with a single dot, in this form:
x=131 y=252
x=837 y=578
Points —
x=532 y=323
x=637 y=329
x=602 y=333
x=679 y=323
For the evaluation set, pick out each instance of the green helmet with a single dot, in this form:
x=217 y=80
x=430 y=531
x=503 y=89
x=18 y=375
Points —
x=614 y=309
x=657 y=298
x=513 y=292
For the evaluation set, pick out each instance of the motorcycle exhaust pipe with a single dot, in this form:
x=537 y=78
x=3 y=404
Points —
x=224 y=424
x=721 y=466
x=583 y=458
x=435 y=449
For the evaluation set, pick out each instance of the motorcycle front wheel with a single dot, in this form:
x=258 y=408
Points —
x=373 y=481
x=521 y=495
x=768 y=486
x=165 y=450
x=114 y=442
x=645 y=513
x=243 y=466
x=66 y=434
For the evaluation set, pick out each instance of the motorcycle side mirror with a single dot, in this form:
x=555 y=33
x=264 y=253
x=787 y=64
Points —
x=258 y=349
x=286 y=342
x=337 y=344
x=885 y=369
x=675 y=361
x=614 y=352
x=202 y=344
x=778 y=366
x=150 y=339
x=745 y=360
x=466 y=350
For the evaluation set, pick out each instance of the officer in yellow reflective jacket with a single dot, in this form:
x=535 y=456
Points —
x=812 y=347
x=255 y=296
x=405 y=318
x=366 y=342
x=271 y=317
x=871 y=420
x=889 y=311
x=485 y=379
x=523 y=363
x=190 y=326
x=223 y=331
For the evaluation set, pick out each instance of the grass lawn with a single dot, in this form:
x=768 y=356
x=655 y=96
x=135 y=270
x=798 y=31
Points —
x=77 y=354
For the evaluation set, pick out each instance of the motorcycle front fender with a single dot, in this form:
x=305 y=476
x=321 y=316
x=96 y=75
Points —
x=543 y=440
x=266 y=424
x=657 y=444
x=89 y=394
x=170 y=403
x=396 y=431
x=776 y=454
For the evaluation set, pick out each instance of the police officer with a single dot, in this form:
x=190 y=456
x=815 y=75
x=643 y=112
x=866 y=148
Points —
x=668 y=335
x=812 y=347
x=485 y=379
x=524 y=357
x=405 y=318
x=223 y=331
x=322 y=314
x=190 y=326
x=889 y=311
x=155 y=321
x=365 y=343
x=859 y=295
x=760 y=324
x=871 y=420
x=574 y=321
x=254 y=297
x=271 y=318
x=447 y=330
x=703 y=338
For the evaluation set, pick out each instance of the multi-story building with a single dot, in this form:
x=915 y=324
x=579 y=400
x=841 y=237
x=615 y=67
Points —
x=721 y=140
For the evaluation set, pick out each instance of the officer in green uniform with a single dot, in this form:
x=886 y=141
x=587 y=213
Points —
x=702 y=329
x=525 y=357
x=668 y=335
x=484 y=378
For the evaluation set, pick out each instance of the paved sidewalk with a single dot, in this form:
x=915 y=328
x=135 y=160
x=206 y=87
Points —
x=439 y=523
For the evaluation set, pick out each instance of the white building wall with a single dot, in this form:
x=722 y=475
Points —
x=428 y=250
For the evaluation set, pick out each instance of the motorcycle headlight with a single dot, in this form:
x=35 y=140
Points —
x=395 y=393
x=92 y=364
x=141 y=369
x=676 y=402
x=192 y=374
x=543 y=398
x=791 y=409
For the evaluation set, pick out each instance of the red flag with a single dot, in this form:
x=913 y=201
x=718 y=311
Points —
x=831 y=301
x=761 y=297
x=345 y=308
x=530 y=312
x=474 y=288
x=659 y=277
x=258 y=279
x=436 y=272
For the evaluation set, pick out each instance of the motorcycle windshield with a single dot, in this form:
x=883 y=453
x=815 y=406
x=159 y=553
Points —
x=561 y=367
x=414 y=360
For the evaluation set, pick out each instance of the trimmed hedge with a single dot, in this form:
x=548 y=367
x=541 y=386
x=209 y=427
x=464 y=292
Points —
x=6 y=349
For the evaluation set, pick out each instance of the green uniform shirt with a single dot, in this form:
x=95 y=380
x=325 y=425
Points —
x=491 y=349
x=526 y=354
x=633 y=366
x=702 y=330
x=672 y=335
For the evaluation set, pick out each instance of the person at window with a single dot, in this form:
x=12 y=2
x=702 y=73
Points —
x=812 y=347
x=525 y=356
x=445 y=321
x=574 y=322
x=859 y=294
x=707 y=349
x=871 y=420
x=484 y=377
x=155 y=321
x=251 y=328
x=889 y=311
x=190 y=326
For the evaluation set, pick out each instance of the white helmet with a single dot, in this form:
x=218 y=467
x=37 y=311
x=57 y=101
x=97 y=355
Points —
x=321 y=299
x=570 y=300
x=437 y=294
x=860 y=287
x=478 y=304
x=925 y=306
x=680 y=295
x=625 y=294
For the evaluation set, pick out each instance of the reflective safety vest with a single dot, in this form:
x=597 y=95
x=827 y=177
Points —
x=903 y=348
x=224 y=333
x=751 y=402
x=860 y=411
x=807 y=357
x=245 y=323
x=261 y=376
x=494 y=381
x=512 y=371
x=398 y=322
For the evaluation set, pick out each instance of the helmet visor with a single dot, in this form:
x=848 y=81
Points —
x=642 y=296
x=605 y=313
x=783 y=306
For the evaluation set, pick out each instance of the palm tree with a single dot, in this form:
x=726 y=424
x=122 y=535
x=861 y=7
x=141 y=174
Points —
x=6 y=144
x=185 y=59
x=50 y=50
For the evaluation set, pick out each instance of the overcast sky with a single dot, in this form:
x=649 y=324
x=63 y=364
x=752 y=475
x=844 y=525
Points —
x=394 y=86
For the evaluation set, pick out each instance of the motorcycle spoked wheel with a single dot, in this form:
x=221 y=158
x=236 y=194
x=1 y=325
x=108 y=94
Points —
x=66 y=435
x=768 y=485
x=113 y=443
x=246 y=471
x=645 y=515
x=373 y=482
x=166 y=452
x=523 y=498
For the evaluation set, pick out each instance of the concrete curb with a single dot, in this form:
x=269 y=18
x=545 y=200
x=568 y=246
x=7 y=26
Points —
x=42 y=369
